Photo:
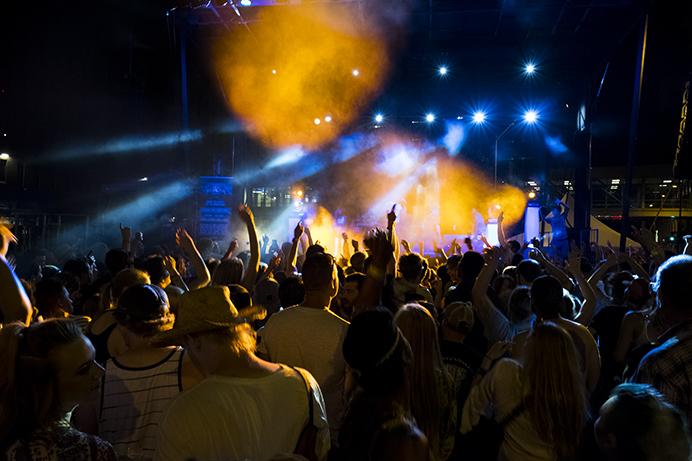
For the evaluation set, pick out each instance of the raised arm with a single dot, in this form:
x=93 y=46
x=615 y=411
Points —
x=291 y=263
x=601 y=271
x=345 y=247
x=393 y=240
x=253 y=264
x=172 y=268
x=496 y=326
x=501 y=230
x=552 y=269
x=381 y=253
x=126 y=236
x=185 y=242
x=232 y=246
x=636 y=267
x=588 y=307
x=440 y=252
x=15 y=305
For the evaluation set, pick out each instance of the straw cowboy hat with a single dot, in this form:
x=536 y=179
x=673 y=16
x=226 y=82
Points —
x=206 y=309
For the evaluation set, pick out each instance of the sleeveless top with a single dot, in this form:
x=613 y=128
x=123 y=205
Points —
x=100 y=343
x=133 y=401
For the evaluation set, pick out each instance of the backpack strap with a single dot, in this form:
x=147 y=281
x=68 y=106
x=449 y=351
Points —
x=309 y=392
x=519 y=409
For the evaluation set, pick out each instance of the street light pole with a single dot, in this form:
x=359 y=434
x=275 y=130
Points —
x=497 y=141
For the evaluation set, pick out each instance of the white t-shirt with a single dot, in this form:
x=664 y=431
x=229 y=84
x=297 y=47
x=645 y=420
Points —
x=227 y=418
x=311 y=339
x=497 y=395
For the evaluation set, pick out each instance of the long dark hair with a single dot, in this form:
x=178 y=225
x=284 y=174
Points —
x=29 y=396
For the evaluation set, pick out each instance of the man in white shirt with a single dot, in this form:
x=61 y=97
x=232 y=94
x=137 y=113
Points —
x=310 y=335
x=245 y=408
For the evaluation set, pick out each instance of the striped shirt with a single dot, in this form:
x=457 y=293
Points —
x=133 y=401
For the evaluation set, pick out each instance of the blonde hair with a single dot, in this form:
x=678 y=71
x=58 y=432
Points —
x=240 y=338
x=29 y=394
x=426 y=393
x=554 y=388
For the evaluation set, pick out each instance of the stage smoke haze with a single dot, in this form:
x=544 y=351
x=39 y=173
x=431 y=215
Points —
x=435 y=194
x=301 y=75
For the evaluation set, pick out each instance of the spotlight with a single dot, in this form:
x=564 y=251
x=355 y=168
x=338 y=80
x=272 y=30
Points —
x=355 y=72
x=442 y=70
x=479 y=116
x=498 y=206
x=529 y=68
x=4 y=156
x=531 y=116
x=379 y=118
x=246 y=2
x=299 y=193
x=532 y=195
x=430 y=117
x=274 y=71
x=144 y=179
x=317 y=121
x=328 y=118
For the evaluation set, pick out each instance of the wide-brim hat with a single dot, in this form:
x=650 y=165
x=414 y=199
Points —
x=203 y=310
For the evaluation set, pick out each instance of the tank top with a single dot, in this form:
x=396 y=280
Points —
x=133 y=401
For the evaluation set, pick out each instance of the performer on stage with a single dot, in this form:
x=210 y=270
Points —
x=557 y=218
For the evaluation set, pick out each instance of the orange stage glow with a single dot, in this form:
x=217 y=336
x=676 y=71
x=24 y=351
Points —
x=295 y=66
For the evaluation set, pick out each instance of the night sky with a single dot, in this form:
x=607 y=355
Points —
x=78 y=74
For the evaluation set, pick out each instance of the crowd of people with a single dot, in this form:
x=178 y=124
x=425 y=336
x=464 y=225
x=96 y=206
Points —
x=377 y=353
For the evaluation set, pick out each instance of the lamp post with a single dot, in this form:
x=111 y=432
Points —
x=497 y=141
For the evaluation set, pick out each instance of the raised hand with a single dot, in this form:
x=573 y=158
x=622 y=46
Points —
x=170 y=264
x=298 y=231
x=184 y=241
x=406 y=245
x=491 y=256
x=536 y=255
x=265 y=239
x=467 y=242
x=125 y=233
x=391 y=216
x=245 y=214
x=344 y=235
x=6 y=237
x=355 y=245
x=380 y=247
x=233 y=246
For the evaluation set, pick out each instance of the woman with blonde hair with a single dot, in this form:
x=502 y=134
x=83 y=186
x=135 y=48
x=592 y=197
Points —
x=46 y=370
x=431 y=392
x=541 y=405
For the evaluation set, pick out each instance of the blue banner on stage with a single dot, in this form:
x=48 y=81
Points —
x=215 y=193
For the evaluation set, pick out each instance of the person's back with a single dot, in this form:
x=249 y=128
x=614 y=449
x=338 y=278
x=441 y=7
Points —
x=229 y=417
x=546 y=300
x=140 y=383
x=541 y=404
x=310 y=336
x=134 y=399
x=669 y=367
x=245 y=408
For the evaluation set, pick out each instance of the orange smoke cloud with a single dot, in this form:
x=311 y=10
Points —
x=299 y=64
x=464 y=189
